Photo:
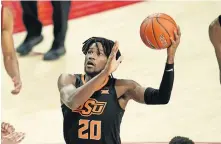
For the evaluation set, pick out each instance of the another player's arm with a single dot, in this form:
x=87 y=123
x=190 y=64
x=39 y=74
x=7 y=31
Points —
x=215 y=38
x=10 y=58
x=73 y=97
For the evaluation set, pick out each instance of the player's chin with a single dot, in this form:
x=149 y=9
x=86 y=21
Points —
x=89 y=71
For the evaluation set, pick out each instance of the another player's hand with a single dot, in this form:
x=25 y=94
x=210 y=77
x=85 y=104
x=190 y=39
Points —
x=6 y=129
x=175 y=43
x=112 y=64
x=13 y=138
x=17 y=85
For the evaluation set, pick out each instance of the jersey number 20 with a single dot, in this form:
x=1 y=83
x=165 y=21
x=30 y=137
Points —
x=93 y=125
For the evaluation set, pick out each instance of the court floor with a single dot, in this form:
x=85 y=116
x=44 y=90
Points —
x=195 y=106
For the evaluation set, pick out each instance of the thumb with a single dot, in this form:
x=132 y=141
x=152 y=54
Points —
x=172 y=41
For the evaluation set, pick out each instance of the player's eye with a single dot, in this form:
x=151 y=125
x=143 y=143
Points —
x=90 y=52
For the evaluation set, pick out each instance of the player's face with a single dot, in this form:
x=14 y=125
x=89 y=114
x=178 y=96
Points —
x=95 y=59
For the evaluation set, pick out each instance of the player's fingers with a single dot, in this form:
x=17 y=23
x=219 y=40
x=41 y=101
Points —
x=176 y=35
x=20 y=137
x=15 y=91
x=11 y=136
x=177 y=38
x=178 y=30
x=173 y=42
x=114 y=51
x=10 y=129
x=115 y=47
x=3 y=125
x=6 y=126
x=18 y=86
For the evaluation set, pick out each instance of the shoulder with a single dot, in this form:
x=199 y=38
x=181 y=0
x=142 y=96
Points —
x=123 y=86
x=127 y=83
x=65 y=79
x=215 y=23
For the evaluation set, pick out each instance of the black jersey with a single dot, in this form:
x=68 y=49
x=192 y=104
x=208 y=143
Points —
x=97 y=121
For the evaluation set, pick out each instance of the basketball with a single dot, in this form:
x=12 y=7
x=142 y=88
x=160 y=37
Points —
x=156 y=30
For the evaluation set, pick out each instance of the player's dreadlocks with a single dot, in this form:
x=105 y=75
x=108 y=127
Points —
x=106 y=44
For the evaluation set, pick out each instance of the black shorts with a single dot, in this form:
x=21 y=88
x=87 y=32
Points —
x=220 y=20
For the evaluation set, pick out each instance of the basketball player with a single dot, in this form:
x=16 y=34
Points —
x=93 y=104
x=11 y=66
x=215 y=38
x=181 y=140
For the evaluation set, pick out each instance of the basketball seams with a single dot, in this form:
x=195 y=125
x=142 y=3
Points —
x=154 y=34
x=163 y=18
x=152 y=45
x=143 y=36
x=163 y=27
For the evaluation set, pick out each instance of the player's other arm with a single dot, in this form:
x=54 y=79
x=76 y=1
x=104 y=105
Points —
x=73 y=97
x=151 y=95
x=9 y=54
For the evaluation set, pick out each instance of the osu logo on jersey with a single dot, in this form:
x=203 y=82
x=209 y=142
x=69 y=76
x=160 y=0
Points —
x=91 y=106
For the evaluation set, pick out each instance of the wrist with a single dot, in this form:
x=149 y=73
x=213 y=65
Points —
x=169 y=66
x=105 y=72
x=170 y=59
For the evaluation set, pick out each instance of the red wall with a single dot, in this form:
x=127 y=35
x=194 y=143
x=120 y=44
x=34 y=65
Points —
x=78 y=9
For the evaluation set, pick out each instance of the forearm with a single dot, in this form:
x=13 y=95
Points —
x=9 y=55
x=76 y=97
x=161 y=95
x=11 y=66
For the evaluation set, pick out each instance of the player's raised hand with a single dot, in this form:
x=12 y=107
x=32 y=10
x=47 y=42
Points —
x=113 y=63
x=175 y=43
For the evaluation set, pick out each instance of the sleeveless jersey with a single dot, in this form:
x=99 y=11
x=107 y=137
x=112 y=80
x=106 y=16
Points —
x=97 y=121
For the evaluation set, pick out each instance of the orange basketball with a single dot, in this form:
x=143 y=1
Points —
x=156 y=30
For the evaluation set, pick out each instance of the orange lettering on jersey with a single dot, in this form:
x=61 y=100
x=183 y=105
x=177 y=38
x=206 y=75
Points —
x=91 y=106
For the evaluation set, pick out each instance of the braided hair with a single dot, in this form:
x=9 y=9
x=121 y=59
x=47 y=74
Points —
x=106 y=44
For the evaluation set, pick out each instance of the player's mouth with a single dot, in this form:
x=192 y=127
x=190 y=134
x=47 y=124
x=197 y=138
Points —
x=90 y=64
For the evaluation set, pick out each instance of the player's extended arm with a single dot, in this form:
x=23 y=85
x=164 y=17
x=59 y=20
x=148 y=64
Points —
x=150 y=95
x=162 y=95
x=73 y=97
x=9 y=55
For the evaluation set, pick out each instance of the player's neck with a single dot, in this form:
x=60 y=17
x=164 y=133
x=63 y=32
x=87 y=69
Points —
x=88 y=77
